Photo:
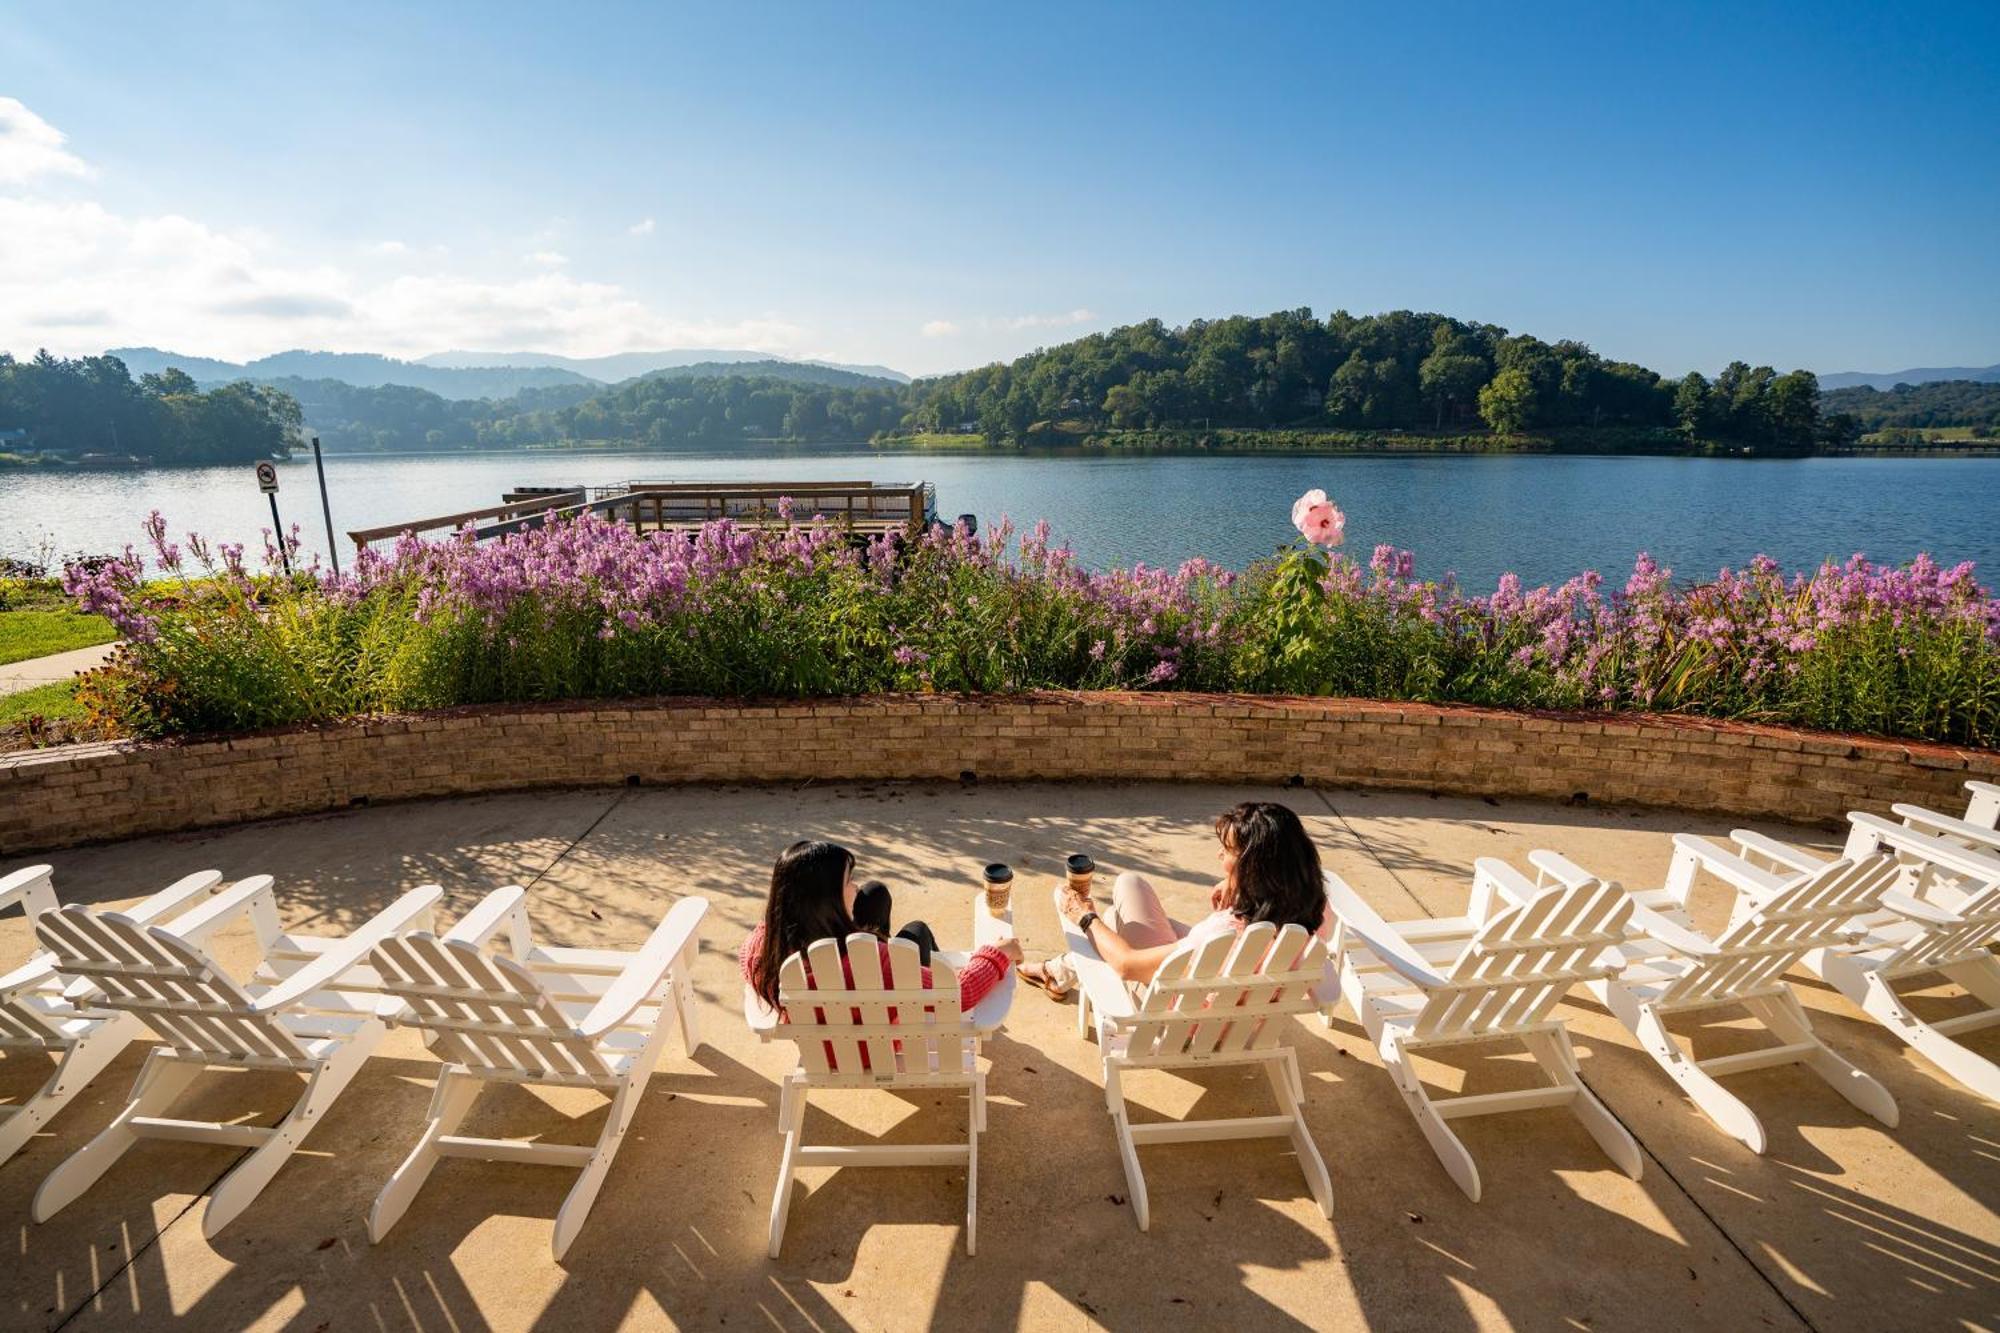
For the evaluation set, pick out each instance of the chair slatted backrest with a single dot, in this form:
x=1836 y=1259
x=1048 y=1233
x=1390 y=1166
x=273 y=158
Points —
x=1521 y=963
x=174 y=988
x=1221 y=995
x=490 y=1014
x=25 y=1019
x=1816 y=913
x=1964 y=940
x=886 y=1023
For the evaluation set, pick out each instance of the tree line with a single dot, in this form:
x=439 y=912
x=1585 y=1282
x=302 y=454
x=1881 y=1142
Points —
x=1399 y=371
x=666 y=411
x=92 y=405
x=1940 y=403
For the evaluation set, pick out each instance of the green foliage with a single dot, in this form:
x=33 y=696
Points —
x=92 y=406
x=1940 y=403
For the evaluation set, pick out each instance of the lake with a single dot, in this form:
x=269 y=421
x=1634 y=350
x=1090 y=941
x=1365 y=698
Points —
x=1543 y=516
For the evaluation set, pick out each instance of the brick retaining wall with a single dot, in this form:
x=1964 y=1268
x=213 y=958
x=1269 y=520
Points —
x=82 y=793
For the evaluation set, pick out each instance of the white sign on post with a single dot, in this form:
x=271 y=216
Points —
x=267 y=478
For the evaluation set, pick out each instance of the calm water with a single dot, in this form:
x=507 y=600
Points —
x=1546 y=517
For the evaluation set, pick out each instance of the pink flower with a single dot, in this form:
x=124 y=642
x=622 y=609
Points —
x=1318 y=519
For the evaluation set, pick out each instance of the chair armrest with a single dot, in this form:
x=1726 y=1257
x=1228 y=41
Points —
x=507 y=906
x=1105 y=987
x=1731 y=869
x=197 y=924
x=348 y=953
x=34 y=970
x=642 y=976
x=1358 y=919
x=177 y=894
x=1984 y=807
x=1929 y=821
x=1555 y=866
x=1870 y=833
x=1750 y=841
x=1679 y=938
x=1916 y=909
x=33 y=887
x=1490 y=876
x=759 y=1017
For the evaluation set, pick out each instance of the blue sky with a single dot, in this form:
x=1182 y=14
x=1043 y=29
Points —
x=935 y=186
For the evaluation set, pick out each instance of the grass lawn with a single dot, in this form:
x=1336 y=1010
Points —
x=55 y=702
x=26 y=634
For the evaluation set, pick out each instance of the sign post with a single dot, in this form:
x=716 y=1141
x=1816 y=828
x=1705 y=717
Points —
x=326 y=509
x=267 y=482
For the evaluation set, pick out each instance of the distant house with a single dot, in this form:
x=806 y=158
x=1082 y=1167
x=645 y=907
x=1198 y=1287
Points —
x=15 y=437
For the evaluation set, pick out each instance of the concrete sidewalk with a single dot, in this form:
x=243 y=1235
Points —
x=16 y=677
x=1841 y=1225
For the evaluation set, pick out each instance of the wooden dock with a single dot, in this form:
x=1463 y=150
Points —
x=866 y=509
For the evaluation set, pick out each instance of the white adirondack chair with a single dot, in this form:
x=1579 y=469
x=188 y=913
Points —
x=41 y=1013
x=588 y=1018
x=1492 y=976
x=319 y=1021
x=1941 y=918
x=932 y=1043
x=1675 y=969
x=1214 y=1002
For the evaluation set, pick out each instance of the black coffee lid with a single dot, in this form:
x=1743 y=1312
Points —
x=1079 y=863
x=999 y=873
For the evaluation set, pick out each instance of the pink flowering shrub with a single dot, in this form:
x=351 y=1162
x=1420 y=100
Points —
x=592 y=609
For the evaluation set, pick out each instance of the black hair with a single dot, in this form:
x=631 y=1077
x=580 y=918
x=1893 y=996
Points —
x=1278 y=876
x=806 y=904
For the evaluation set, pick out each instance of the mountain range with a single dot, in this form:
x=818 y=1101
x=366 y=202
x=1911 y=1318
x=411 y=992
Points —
x=1854 y=379
x=468 y=375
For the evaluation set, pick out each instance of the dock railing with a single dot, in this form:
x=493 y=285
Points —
x=865 y=508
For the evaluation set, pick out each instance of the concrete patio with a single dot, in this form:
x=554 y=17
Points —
x=1841 y=1225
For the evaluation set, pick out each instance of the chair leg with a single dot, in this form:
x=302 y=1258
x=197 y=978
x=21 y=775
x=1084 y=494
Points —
x=453 y=1097
x=1128 y=1151
x=1450 y=1152
x=1553 y=1052
x=976 y=1121
x=1284 y=1074
x=792 y=1126
x=160 y=1081
x=576 y=1207
x=1882 y=1004
x=240 y=1188
x=686 y=1006
x=1723 y=1107
x=1082 y=1011
x=1786 y=1017
x=83 y=1061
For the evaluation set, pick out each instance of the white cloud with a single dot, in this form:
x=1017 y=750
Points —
x=77 y=277
x=1068 y=319
x=30 y=147
x=548 y=258
x=939 y=328
x=642 y=228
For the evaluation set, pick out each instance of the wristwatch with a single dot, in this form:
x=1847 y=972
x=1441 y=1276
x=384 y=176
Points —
x=1083 y=923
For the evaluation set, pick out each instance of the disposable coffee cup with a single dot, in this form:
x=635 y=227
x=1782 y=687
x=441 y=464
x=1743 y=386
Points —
x=999 y=879
x=1081 y=868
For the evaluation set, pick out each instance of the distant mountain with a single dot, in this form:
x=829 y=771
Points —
x=1855 y=379
x=361 y=369
x=623 y=366
x=789 y=372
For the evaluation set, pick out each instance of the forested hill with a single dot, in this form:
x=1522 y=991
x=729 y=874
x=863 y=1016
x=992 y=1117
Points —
x=789 y=372
x=1940 y=403
x=92 y=405
x=358 y=368
x=1399 y=371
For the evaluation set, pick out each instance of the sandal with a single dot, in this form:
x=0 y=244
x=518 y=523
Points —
x=1053 y=974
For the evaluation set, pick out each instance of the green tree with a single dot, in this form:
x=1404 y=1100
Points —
x=1507 y=403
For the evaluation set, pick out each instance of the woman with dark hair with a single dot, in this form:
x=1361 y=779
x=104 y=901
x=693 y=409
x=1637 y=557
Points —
x=1270 y=872
x=813 y=898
